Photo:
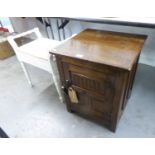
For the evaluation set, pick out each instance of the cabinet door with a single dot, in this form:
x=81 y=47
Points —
x=95 y=91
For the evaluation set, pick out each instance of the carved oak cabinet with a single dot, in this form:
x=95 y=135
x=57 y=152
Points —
x=100 y=67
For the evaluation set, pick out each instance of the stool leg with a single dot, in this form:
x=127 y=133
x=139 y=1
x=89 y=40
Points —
x=26 y=73
x=57 y=85
x=58 y=88
x=55 y=76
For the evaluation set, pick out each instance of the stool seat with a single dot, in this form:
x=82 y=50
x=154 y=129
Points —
x=39 y=48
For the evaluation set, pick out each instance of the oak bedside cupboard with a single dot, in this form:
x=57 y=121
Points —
x=97 y=70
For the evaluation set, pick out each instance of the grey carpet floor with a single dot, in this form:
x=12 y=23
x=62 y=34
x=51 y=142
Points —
x=37 y=112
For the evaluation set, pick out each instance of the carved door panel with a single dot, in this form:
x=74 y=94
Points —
x=95 y=91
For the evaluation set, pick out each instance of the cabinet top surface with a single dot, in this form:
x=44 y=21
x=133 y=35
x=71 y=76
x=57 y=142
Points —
x=105 y=47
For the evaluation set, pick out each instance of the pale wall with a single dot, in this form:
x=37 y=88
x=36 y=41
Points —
x=148 y=52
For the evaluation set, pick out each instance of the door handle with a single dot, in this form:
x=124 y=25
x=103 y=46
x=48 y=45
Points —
x=65 y=90
x=66 y=86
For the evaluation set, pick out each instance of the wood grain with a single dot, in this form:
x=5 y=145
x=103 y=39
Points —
x=105 y=47
x=103 y=77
